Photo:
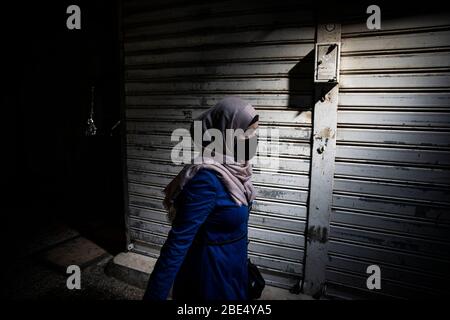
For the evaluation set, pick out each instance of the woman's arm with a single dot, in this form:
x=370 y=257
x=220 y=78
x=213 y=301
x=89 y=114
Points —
x=198 y=201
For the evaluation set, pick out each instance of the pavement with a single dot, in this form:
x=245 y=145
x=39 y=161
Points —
x=39 y=271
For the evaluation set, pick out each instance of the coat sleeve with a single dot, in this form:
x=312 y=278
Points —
x=197 y=202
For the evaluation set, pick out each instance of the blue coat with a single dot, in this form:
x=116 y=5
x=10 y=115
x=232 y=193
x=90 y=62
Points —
x=191 y=259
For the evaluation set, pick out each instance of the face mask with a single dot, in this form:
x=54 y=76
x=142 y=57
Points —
x=245 y=149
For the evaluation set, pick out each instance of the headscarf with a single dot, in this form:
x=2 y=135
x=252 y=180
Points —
x=229 y=113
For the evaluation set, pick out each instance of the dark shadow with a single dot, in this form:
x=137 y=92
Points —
x=303 y=92
x=56 y=174
x=96 y=197
x=301 y=84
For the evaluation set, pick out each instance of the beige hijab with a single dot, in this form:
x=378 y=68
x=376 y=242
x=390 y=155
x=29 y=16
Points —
x=229 y=113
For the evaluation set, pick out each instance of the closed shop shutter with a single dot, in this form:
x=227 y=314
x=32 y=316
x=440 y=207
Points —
x=391 y=200
x=180 y=59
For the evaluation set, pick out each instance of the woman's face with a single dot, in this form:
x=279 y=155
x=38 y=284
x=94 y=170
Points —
x=249 y=143
x=251 y=130
x=254 y=126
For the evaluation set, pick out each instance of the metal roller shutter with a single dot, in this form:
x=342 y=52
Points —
x=391 y=199
x=180 y=59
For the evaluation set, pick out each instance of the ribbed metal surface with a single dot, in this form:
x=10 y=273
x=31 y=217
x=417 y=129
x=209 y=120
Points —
x=391 y=203
x=180 y=59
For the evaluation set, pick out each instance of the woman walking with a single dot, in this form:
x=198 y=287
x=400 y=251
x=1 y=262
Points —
x=205 y=254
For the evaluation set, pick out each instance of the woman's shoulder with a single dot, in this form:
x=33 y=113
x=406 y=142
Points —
x=209 y=178
x=202 y=185
x=208 y=181
x=207 y=175
x=204 y=178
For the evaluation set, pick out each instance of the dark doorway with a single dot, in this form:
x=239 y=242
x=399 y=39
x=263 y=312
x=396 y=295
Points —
x=54 y=173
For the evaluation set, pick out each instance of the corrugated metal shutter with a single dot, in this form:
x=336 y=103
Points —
x=391 y=190
x=180 y=59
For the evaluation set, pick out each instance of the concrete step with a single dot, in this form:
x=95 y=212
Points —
x=131 y=268
x=135 y=269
